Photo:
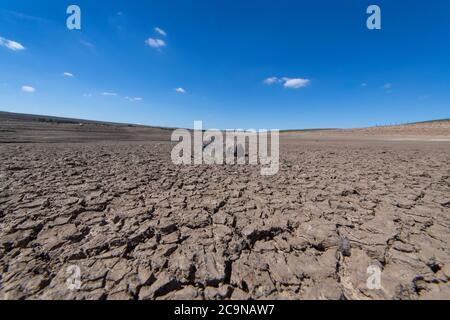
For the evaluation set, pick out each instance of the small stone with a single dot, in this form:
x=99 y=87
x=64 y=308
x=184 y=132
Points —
x=344 y=247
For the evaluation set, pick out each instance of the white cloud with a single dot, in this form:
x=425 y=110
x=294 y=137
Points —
x=155 y=43
x=68 y=74
x=288 y=82
x=12 y=45
x=271 y=80
x=387 y=86
x=28 y=89
x=160 y=31
x=87 y=95
x=109 y=94
x=134 y=98
x=180 y=90
x=296 y=83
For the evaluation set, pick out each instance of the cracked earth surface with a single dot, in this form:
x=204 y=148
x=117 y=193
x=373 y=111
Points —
x=139 y=227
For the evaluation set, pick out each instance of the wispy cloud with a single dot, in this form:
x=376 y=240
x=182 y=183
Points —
x=155 y=43
x=291 y=83
x=68 y=74
x=272 y=80
x=133 y=99
x=424 y=97
x=10 y=44
x=180 y=90
x=387 y=86
x=28 y=89
x=23 y=16
x=87 y=44
x=87 y=95
x=160 y=31
x=109 y=94
x=363 y=84
x=296 y=83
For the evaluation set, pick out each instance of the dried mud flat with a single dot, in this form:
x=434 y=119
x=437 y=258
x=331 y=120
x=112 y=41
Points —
x=139 y=227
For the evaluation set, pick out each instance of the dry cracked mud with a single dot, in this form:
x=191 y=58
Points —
x=139 y=227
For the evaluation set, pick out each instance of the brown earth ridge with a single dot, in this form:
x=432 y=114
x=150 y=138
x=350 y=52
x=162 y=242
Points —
x=107 y=199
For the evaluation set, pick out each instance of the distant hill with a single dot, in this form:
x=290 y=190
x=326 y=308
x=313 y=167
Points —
x=61 y=120
x=431 y=121
x=373 y=127
x=26 y=128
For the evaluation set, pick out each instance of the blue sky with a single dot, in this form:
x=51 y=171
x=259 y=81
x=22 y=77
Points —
x=330 y=70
